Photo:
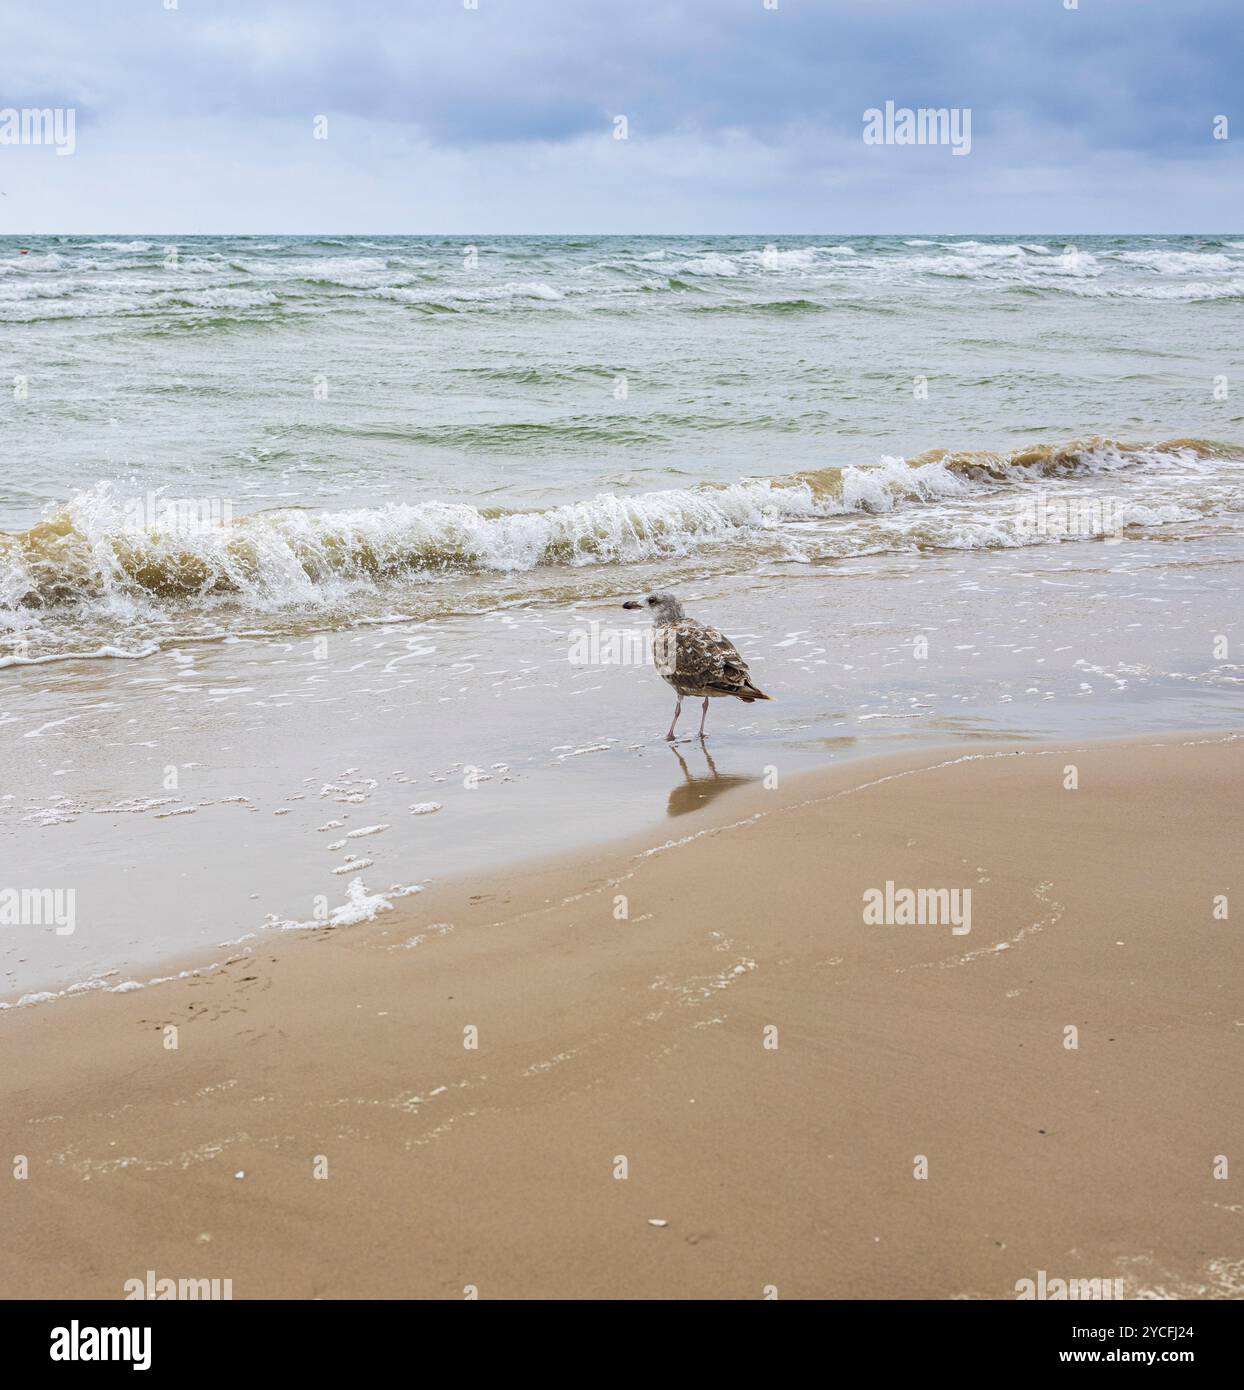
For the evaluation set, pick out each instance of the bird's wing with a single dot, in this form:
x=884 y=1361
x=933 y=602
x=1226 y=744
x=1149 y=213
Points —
x=707 y=659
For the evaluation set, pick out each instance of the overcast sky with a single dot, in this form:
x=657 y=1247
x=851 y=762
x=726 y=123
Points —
x=741 y=118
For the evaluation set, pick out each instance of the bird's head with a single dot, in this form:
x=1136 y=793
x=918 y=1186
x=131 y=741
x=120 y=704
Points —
x=664 y=607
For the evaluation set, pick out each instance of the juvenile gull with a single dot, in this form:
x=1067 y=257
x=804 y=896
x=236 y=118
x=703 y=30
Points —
x=695 y=658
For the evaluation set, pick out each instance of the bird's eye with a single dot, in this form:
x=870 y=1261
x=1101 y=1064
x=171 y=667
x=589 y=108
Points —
x=652 y=600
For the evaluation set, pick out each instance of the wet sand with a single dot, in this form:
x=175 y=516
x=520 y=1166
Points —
x=712 y=1016
x=198 y=795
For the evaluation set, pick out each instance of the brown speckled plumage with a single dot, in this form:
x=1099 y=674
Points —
x=696 y=659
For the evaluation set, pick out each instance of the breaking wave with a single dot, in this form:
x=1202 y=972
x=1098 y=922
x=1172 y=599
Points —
x=91 y=551
x=265 y=282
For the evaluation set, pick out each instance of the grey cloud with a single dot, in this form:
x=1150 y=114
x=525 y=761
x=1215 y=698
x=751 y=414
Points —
x=1123 y=85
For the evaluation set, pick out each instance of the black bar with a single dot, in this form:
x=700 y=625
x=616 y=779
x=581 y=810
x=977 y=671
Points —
x=320 y=1338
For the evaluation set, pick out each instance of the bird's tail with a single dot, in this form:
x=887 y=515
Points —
x=748 y=693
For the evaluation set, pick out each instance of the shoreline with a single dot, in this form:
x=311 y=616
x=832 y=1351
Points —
x=218 y=790
x=178 y=965
x=643 y=1038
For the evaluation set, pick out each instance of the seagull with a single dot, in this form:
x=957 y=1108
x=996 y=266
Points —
x=695 y=658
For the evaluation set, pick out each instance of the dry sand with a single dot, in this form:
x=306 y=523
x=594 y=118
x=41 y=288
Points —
x=599 y=1039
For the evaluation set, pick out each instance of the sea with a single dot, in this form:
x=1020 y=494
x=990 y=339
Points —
x=313 y=549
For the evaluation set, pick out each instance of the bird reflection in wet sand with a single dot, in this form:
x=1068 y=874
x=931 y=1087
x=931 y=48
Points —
x=698 y=790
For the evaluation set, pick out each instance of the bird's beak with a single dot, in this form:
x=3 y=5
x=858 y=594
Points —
x=631 y=603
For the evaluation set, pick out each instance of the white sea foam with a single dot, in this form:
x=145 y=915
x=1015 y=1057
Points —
x=1179 y=262
x=712 y=265
x=798 y=258
x=359 y=906
x=1202 y=290
x=296 y=558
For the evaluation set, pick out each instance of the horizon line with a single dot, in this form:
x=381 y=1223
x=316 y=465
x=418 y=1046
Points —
x=905 y=232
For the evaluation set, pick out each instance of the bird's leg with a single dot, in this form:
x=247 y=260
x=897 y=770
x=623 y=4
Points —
x=669 y=738
x=703 y=716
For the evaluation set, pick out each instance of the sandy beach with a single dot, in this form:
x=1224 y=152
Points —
x=621 y=675
x=692 y=1067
